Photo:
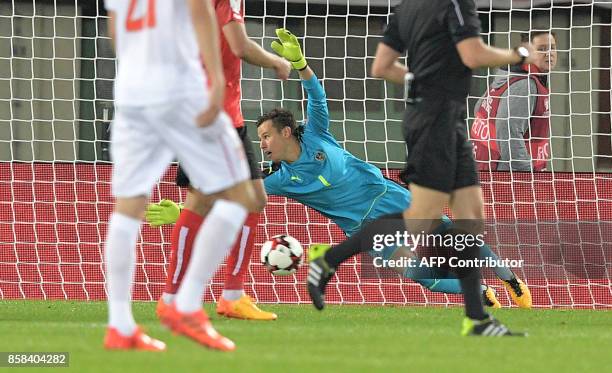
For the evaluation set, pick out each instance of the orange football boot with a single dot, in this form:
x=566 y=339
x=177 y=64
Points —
x=196 y=326
x=137 y=341
x=243 y=308
x=161 y=308
x=489 y=297
x=519 y=292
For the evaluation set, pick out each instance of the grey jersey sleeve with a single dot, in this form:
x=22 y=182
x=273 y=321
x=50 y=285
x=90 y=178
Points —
x=515 y=108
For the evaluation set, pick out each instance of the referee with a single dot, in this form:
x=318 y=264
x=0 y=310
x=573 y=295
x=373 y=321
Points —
x=442 y=40
x=443 y=44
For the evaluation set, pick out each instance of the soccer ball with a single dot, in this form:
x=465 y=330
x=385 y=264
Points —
x=282 y=255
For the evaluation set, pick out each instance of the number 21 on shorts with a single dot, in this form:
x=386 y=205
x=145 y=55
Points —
x=146 y=20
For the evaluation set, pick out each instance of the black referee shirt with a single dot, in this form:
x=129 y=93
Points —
x=428 y=31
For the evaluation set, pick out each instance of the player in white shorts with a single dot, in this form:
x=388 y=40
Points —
x=163 y=111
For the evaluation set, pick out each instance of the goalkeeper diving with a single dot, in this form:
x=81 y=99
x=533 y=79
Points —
x=313 y=169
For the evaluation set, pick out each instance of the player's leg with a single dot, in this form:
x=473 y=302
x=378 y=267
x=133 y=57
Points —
x=519 y=292
x=211 y=245
x=467 y=207
x=214 y=159
x=134 y=174
x=234 y=302
x=183 y=235
x=435 y=280
x=442 y=164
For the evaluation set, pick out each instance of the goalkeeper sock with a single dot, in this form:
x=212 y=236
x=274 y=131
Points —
x=363 y=240
x=445 y=285
x=120 y=263
x=504 y=273
x=240 y=257
x=183 y=236
x=212 y=243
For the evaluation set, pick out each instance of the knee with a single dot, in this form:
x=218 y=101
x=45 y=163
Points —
x=260 y=201
x=477 y=212
x=243 y=194
x=133 y=207
x=253 y=202
x=477 y=218
x=198 y=203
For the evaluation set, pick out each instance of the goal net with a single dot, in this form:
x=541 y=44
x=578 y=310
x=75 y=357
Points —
x=56 y=76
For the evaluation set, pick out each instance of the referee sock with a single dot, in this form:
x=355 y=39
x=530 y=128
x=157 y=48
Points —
x=471 y=283
x=120 y=255
x=213 y=241
x=363 y=240
x=472 y=295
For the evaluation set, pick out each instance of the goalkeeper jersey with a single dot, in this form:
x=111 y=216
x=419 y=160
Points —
x=331 y=180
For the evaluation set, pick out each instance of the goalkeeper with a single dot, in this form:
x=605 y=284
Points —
x=316 y=171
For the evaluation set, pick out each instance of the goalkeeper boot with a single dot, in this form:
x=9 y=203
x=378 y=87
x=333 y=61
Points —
x=519 y=292
x=489 y=297
x=137 y=341
x=197 y=327
x=488 y=327
x=319 y=274
x=243 y=308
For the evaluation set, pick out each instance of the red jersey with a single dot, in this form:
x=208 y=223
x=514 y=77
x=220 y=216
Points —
x=230 y=11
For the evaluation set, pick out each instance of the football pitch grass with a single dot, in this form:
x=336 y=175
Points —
x=341 y=338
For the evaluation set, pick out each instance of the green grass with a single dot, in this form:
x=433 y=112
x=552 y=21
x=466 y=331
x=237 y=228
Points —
x=342 y=338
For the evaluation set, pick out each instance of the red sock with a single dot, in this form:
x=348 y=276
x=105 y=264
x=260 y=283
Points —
x=183 y=236
x=240 y=256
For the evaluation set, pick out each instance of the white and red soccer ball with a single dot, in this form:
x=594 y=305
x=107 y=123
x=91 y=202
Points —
x=282 y=255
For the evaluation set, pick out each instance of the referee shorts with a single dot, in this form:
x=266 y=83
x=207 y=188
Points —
x=440 y=154
x=182 y=180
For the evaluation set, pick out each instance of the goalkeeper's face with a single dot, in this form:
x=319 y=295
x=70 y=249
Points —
x=277 y=145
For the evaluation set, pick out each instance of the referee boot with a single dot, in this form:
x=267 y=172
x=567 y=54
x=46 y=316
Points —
x=519 y=292
x=489 y=327
x=489 y=297
x=319 y=274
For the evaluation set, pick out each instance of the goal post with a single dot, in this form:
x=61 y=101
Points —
x=56 y=73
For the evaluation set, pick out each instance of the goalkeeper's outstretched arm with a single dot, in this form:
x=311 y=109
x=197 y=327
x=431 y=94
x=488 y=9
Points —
x=288 y=47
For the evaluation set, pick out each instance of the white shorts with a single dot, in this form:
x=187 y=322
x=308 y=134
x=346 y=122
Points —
x=146 y=139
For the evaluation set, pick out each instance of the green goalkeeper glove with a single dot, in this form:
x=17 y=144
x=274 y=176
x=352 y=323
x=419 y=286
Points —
x=289 y=48
x=164 y=212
